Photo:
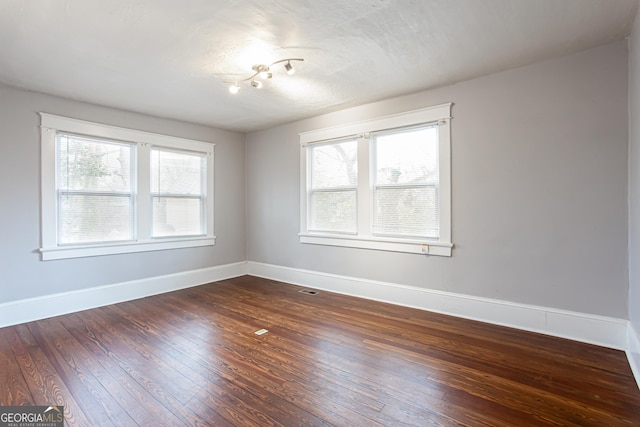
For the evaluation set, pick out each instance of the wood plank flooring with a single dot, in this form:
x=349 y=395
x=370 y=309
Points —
x=191 y=358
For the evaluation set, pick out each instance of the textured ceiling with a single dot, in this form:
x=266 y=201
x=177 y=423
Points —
x=169 y=57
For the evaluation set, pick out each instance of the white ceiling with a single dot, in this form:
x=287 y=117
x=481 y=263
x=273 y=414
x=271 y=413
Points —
x=169 y=57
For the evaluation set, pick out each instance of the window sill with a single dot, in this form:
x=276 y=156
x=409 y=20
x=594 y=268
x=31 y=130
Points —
x=413 y=246
x=64 y=252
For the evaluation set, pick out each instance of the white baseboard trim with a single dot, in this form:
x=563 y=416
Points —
x=593 y=329
x=27 y=310
x=633 y=352
x=600 y=330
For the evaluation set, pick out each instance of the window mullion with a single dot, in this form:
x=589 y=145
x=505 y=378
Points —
x=142 y=191
x=364 y=187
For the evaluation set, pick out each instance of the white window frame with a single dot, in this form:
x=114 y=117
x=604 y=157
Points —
x=143 y=141
x=364 y=238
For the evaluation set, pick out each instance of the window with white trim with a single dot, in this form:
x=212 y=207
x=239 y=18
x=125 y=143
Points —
x=109 y=190
x=379 y=184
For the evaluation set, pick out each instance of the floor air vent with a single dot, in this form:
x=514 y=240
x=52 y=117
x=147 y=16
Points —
x=308 y=292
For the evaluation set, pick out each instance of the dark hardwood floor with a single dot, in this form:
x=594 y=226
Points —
x=191 y=358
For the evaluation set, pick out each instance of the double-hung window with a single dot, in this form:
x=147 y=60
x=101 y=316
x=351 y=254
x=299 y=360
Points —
x=109 y=190
x=379 y=184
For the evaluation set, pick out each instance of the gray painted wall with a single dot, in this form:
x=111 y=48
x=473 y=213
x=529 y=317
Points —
x=539 y=181
x=540 y=162
x=634 y=176
x=23 y=275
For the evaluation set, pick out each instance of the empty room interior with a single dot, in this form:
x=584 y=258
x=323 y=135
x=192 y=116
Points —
x=327 y=213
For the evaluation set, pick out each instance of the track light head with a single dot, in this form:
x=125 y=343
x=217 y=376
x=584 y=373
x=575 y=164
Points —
x=257 y=84
x=234 y=88
x=289 y=68
x=262 y=71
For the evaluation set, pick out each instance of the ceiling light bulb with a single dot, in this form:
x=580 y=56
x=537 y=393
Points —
x=256 y=84
x=235 y=88
x=289 y=68
x=265 y=74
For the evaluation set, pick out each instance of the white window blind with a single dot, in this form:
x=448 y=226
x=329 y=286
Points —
x=95 y=194
x=178 y=190
x=333 y=189
x=406 y=183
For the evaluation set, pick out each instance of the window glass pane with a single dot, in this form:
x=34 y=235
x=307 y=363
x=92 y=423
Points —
x=177 y=216
x=333 y=211
x=93 y=165
x=406 y=183
x=407 y=157
x=334 y=165
x=94 y=218
x=87 y=171
x=409 y=211
x=176 y=173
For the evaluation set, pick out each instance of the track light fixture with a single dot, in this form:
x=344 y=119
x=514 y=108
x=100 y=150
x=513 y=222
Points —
x=264 y=72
